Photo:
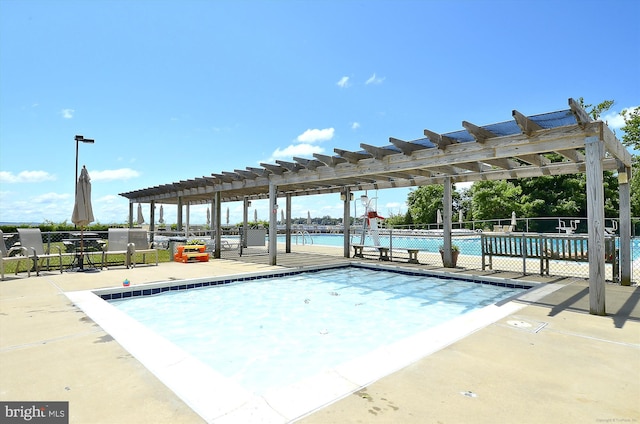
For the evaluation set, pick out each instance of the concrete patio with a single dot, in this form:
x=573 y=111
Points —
x=549 y=362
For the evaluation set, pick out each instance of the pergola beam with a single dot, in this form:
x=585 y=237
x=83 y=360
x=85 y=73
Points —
x=480 y=134
x=276 y=169
x=537 y=160
x=527 y=126
x=439 y=140
x=378 y=152
x=580 y=114
x=572 y=155
x=291 y=166
x=352 y=157
x=260 y=172
x=309 y=163
x=407 y=148
x=330 y=161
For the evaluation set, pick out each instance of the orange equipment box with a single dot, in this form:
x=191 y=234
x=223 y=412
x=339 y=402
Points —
x=189 y=252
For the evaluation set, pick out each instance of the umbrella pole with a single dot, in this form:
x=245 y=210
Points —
x=81 y=257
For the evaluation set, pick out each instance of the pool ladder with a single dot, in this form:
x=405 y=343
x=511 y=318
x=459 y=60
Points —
x=304 y=235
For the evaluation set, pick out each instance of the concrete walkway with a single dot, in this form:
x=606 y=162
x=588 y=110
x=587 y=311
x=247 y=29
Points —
x=550 y=362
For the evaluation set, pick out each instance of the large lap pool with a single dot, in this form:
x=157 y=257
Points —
x=273 y=348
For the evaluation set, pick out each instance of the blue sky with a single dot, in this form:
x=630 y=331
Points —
x=173 y=90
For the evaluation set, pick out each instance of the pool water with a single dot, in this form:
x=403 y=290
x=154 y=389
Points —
x=271 y=333
x=469 y=245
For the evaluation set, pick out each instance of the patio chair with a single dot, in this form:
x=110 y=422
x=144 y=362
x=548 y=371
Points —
x=31 y=239
x=117 y=244
x=5 y=256
x=140 y=244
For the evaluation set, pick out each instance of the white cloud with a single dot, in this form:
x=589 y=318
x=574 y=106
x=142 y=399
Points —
x=113 y=174
x=615 y=120
x=374 y=80
x=26 y=177
x=67 y=113
x=355 y=125
x=343 y=83
x=316 y=135
x=299 y=150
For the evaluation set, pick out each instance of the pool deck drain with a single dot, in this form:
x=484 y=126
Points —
x=581 y=369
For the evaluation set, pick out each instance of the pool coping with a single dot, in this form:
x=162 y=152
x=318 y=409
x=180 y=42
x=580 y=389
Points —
x=197 y=384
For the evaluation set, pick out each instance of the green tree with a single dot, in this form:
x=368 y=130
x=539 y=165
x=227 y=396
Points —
x=635 y=188
x=394 y=220
x=631 y=138
x=596 y=110
x=424 y=202
x=495 y=199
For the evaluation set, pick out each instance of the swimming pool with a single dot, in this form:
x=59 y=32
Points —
x=469 y=244
x=393 y=325
x=271 y=333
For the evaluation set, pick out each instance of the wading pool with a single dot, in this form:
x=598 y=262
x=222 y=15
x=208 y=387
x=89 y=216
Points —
x=248 y=346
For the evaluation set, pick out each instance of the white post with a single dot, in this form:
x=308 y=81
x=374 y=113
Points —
x=287 y=224
x=179 y=227
x=624 y=176
x=245 y=220
x=273 y=223
x=216 y=205
x=594 y=152
x=346 y=220
x=446 y=221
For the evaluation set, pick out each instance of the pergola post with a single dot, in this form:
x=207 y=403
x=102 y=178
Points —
x=186 y=230
x=346 y=220
x=213 y=223
x=179 y=226
x=216 y=207
x=624 y=191
x=130 y=214
x=594 y=152
x=447 y=258
x=152 y=218
x=273 y=223
x=287 y=224
x=245 y=220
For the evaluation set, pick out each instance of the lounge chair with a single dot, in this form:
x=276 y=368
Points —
x=140 y=244
x=5 y=256
x=117 y=244
x=31 y=239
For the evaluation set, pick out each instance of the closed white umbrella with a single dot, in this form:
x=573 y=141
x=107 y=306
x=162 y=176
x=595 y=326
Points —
x=140 y=217
x=208 y=216
x=513 y=219
x=255 y=215
x=82 y=209
x=439 y=217
x=161 y=215
x=227 y=215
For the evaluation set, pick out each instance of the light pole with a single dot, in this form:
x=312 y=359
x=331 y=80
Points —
x=78 y=139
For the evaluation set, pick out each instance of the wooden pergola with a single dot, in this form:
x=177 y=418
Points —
x=507 y=150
